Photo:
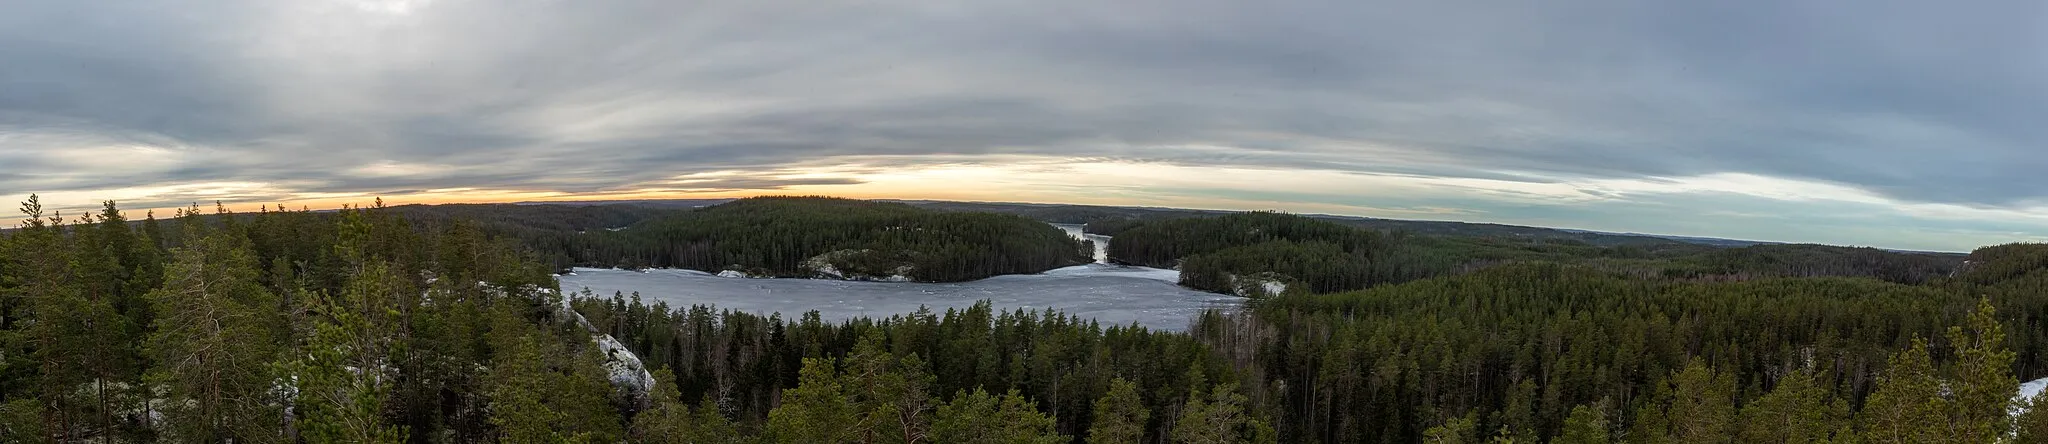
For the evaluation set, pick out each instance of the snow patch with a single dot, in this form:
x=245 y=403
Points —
x=1274 y=288
x=2028 y=391
x=1260 y=285
x=733 y=274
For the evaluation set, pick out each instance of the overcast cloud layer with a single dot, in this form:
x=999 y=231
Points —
x=1906 y=124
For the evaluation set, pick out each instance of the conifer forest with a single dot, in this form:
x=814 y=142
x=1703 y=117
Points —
x=446 y=324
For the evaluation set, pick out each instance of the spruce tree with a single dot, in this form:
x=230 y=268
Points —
x=213 y=346
x=71 y=333
x=1459 y=430
x=1983 y=386
x=890 y=394
x=1214 y=417
x=1652 y=421
x=343 y=367
x=1586 y=425
x=817 y=410
x=1120 y=415
x=666 y=418
x=1798 y=410
x=344 y=377
x=982 y=418
x=1907 y=406
x=1702 y=405
x=2032 y=424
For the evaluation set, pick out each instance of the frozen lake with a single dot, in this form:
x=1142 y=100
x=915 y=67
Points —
x=1113 y=295
x=1101 y=242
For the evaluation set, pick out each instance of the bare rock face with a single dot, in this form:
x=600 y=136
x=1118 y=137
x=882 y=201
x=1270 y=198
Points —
x=861 y=265
x=629 y=376
x=1260 y=285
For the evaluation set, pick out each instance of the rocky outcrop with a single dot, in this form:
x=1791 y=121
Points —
x=860 y=265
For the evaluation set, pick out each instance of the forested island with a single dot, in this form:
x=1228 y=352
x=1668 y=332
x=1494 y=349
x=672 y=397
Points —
x=798 y=237
x=426 y=324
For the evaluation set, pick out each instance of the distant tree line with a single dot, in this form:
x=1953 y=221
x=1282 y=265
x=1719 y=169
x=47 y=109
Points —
x=1537 y=352
x=1221 y=254
x=365 y=325
x=1237 y=252
x=788 y=236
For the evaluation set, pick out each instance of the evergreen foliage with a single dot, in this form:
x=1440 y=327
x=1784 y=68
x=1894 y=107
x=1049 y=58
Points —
x=814 y=236
x=382 y=325
x=1120 y=415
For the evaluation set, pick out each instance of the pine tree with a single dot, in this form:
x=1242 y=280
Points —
x=1120 y=415
x=1586 y=425
x=343 y=368
x=1652 y=422
x=816 y=411
x=105 y=263
x=2032 y=425
x=1459 y=430
x=1216 y=417
x=214 y=346
x=890 y=394
x=21 y=420
x=1907 y=406
x=540 y=392
x=1702 y=405
x=71 y=332
x=519 y=389
x=709 y=426
x=1798 y=410
x=343 y=373
x=1506 y=435
x=982 y=418
x=1983 y=386
x=666 y=418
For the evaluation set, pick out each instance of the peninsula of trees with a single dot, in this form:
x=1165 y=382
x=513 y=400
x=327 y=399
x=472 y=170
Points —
x=1241 y=252
x=387 y=325
x=837 y=238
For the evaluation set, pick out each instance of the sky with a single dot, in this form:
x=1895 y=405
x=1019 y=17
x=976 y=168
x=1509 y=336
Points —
x=1897 y=124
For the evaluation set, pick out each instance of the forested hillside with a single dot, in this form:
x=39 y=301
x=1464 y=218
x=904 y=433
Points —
x=377 y=325
x=817 y=236
x=355 y=326
x=774 y=236
x=559 y=233
x=1238 y=253
x=1522 y=347
x=1534 y=352
x=1250 y=253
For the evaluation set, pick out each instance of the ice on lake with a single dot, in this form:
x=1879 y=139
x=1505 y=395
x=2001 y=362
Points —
x=1113 y=295
x=1101 y=242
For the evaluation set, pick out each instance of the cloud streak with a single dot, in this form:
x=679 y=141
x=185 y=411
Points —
x=1885 y=103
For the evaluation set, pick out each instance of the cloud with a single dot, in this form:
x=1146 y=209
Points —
x=1917 y=104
